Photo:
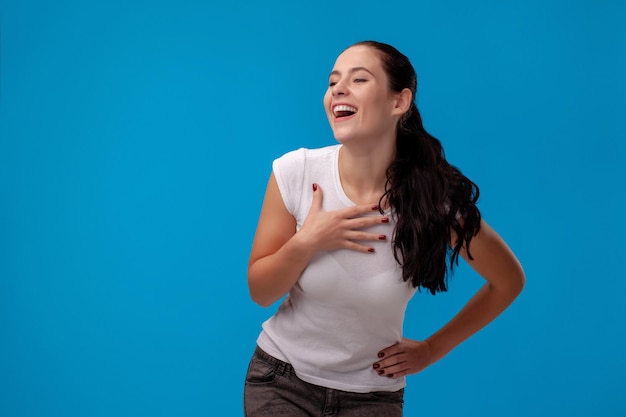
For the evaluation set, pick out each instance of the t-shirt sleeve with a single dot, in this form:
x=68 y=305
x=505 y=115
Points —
x=289 y=173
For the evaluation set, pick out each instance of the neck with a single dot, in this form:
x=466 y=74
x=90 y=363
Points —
x=363 y=172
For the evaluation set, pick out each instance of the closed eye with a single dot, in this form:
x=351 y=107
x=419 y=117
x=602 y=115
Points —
x=360 y=80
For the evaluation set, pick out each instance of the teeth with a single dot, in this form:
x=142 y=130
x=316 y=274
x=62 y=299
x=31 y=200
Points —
x=343 y=107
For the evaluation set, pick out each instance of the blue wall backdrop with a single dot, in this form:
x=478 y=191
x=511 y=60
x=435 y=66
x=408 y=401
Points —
x=136 y=139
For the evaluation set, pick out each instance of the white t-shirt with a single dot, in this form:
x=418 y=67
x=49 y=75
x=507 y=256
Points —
x=347 y=305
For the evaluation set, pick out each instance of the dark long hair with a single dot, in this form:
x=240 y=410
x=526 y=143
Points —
x=430 y=197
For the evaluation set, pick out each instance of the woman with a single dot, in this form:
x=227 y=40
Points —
x=349 y=232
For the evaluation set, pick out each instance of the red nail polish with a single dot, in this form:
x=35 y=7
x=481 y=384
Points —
x=382 y=237
x=381 y=372
x=374 y=207
x=314 y=187
x=371 y=250
x=390 y=376
x=385 y=220
x=381 y=354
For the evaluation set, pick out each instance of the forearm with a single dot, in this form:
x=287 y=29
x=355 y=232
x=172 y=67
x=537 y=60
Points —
x=479 y=311
x=272 y=276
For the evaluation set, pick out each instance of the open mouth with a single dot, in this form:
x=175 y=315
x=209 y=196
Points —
x=343 y=110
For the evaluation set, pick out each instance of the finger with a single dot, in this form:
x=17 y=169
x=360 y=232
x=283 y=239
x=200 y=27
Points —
x=355 y=211
x=364 y=222
x=392 y=371
x=398 y=374
x=316 y=204
x=348 y=244
x=365 y=236
x=398 y=370
x=390 y=361
x=390 y=351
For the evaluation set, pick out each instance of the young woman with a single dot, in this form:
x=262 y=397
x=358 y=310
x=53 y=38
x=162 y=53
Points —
x=349 y=232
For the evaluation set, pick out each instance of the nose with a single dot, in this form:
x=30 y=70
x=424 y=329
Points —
x=339 y=89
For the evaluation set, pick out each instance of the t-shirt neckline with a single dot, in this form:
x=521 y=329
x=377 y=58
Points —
x=340 y=191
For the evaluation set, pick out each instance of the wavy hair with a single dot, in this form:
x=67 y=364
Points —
x=430 y=197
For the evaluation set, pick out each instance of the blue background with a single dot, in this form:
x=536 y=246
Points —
x=136 y=141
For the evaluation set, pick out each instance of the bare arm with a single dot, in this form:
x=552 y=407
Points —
x=279 y=254
x=497 y=264
x=276 y=260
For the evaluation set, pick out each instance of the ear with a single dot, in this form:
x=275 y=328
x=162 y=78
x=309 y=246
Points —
x=403 y=102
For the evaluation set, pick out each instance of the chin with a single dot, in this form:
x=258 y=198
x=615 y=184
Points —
x=343 y=139
x=343 y=136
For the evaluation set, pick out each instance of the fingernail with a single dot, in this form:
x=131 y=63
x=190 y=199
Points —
x=314 y=187
x=381 y=372
x=382 y=237
x=390 y=376
x=374 y=207
x=385 y=220
x=376 y=366
x=381 y=354
x=371 y=250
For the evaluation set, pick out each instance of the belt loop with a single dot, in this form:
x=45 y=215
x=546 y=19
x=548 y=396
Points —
x=281 y=367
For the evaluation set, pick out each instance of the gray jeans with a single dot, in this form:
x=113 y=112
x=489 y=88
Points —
x=272 y=389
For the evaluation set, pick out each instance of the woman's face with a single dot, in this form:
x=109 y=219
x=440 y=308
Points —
x=358 y=102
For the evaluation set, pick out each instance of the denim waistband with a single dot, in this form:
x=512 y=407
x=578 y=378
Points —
x=280 y=367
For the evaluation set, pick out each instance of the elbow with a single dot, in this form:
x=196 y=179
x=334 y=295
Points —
x=263 y=302
x=521 y=276
x=511 y=284
x=517 y=281
x=522 y=282
x=257 y=294
x=522 y=279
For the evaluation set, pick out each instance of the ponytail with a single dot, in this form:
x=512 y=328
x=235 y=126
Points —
x=430 y=198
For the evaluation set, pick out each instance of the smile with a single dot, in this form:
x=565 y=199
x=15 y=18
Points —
x=341 y=111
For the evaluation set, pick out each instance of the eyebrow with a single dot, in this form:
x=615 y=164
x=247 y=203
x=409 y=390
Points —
x=351 y=70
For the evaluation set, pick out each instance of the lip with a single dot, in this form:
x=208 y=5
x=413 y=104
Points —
x=342 y=119
x=345 y=118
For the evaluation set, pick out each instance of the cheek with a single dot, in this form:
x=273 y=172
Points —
x=326 y=103
x=326 y=100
